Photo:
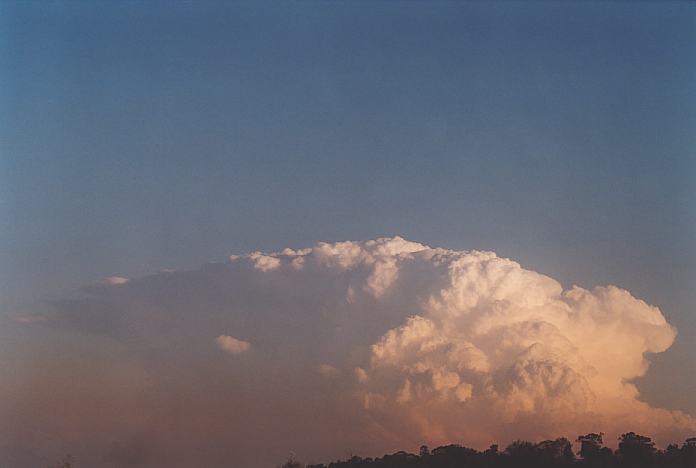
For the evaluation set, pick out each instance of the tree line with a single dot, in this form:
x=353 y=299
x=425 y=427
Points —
x=633 y=451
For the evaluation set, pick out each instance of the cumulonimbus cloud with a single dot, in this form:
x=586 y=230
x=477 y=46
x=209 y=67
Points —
x=392 y=342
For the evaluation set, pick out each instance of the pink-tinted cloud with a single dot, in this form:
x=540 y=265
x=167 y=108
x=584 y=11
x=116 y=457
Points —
x=363 y=346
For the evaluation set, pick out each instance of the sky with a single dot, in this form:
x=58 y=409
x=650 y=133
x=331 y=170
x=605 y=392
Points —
x=142 y=136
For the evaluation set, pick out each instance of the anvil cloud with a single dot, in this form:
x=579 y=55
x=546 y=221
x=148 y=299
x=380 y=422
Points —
x=361 y=346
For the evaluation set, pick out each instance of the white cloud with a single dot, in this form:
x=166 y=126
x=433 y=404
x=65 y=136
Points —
x=328 y=371
x=264 y=262
x=360 y=374
x=483 y=334
x=510 y=342
x=232 y=344
x=425 y=344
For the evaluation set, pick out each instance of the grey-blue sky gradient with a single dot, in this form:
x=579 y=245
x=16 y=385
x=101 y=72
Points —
x=136 y=136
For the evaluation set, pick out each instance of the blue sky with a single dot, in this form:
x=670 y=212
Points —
x=136 y=136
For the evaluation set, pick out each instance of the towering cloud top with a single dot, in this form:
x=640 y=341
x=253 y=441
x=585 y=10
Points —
x=396 y=344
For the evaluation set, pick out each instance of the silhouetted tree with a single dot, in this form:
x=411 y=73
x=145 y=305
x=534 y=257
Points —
x=635 y=451
x=592 y=450
x=292 y=463
x=688 y=453
x=555 y=452
x=522 y=451
x=590 y=445
x=450 y=456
